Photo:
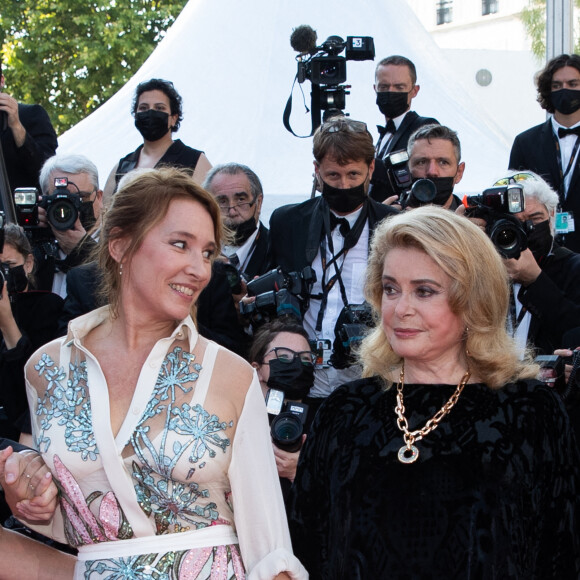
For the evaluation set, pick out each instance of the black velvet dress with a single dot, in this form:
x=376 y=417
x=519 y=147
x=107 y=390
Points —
x=492 y=495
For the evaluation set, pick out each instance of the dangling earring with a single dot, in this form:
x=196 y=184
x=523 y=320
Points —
x=120 y=269
x=466 y=349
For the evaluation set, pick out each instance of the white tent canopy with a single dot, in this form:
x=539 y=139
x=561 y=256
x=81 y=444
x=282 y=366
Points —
x=233 y=65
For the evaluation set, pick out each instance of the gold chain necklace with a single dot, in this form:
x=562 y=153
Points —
x=409 y=453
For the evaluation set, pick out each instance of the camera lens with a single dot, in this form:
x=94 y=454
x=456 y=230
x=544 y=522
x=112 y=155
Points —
x=424 y=191
x=286 y=432
x=508 y=238
x=62 y=215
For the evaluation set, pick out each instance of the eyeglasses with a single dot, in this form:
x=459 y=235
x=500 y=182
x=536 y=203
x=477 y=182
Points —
x=288 y=355
x=84 y=195
x=515 y=178
x=244 y=206
x=343 y=124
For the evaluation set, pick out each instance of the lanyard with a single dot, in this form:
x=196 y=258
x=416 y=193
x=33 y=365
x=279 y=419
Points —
x=563 y=174
x=349 y=242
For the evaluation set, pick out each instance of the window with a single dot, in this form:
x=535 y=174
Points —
x=489 y=7
x=444 y=12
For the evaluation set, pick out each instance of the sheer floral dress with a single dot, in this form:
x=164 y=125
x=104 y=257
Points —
x=185 y=490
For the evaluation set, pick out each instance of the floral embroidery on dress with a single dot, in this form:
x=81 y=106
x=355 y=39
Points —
x=215 y=563
x=68 y=404
x=81 y=525
x=174 y=502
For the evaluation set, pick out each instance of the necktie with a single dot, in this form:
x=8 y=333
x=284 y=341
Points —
x=342 y=223
x=562 y=132
x=390 y=128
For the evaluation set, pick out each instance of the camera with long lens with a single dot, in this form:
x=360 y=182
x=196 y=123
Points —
x=392 y=174
x=287 y=421
x=62 y=207
x=496 y=206
x=277 y=294
x=325 y=68
x=422 y=192
x=351 y=326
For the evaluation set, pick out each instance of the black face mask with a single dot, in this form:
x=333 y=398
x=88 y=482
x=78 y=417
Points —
x=540 y=240
x=392 y=104
x=17 y=281
x=444 y=186
x=87 y=215
x=565 y=101
x=244 y=230
x=294 y=378
x=344 y=200
x=152 y=124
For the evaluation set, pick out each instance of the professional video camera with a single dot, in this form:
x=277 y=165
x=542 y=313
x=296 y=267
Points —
x=496 y=206
x=351 y=326
x=277 y=294
x=288 y=419
x=326 y=70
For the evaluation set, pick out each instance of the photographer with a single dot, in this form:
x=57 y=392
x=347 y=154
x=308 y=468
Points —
x=74 y=243
x=27 y=136
x=281 y=355
x=28 y=319
x=435 y=154
x=395 y=86
x=331 y=234
x=238 y=191
x=546 y=276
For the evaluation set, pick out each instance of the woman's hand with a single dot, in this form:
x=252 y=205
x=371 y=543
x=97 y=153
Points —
x=28 y=486
x=286 y=463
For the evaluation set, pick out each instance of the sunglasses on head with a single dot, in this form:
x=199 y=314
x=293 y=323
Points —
x=343 y=124
x=515 y=178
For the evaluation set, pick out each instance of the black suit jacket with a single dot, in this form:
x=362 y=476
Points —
x=258 y=263
x=297 y=230
x=535 y=149
x=553 y=300
x=23 y=164
x=381 y=187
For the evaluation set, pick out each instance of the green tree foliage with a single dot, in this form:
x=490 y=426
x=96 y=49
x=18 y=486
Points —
x=70 y=56
x=534 y=20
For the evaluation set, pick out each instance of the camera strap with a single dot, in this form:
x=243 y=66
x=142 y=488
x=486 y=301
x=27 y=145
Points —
x=288 y=111
x=349 y=242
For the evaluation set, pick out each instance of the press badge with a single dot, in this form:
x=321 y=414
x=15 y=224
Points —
x=564 y=222
x=323 y=351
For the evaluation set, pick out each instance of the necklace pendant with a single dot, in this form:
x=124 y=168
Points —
x=408 y=454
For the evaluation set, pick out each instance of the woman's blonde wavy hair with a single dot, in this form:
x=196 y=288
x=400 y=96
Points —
x=478 y=292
